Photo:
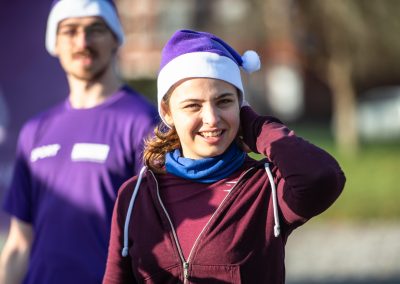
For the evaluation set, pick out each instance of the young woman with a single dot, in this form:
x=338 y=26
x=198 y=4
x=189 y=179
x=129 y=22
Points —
x=202 y=211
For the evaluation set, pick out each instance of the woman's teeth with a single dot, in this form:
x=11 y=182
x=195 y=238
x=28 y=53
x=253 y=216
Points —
x=211 y=133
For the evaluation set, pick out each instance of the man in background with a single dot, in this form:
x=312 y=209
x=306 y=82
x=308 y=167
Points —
x=72 y=158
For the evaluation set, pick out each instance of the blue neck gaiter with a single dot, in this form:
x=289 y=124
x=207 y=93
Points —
x=207 y=170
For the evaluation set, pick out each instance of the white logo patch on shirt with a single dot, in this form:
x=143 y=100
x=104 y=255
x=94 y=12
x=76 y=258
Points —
x=90 y=152
x=44 y=152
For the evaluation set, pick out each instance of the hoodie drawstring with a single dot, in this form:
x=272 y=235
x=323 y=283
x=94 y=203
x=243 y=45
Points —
x=129 y=213
x=277 y=228
x=135 y=191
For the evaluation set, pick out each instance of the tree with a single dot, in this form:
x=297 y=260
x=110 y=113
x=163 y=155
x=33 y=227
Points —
x=356 y=45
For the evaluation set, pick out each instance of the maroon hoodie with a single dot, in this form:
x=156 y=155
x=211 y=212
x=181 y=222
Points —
x=238 y=244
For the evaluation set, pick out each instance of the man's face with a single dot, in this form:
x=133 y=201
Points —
x=85 y=47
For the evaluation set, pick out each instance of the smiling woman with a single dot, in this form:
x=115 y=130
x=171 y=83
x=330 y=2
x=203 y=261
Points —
x=205 y=115
x=202 y=210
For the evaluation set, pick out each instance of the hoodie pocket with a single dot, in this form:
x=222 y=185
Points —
x=214 y=274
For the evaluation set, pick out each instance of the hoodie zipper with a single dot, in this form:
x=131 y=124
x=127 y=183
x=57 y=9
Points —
x=185 y=264
x=215 y=213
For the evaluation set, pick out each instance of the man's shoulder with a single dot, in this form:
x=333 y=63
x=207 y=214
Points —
x=135 y=104
x=44 y=115
x=132 y=96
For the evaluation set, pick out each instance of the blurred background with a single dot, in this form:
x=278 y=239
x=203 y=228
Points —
x=330 y=70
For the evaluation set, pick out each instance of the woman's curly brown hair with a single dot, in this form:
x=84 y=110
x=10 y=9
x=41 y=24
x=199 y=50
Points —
x=158 y=146
x=164 y=140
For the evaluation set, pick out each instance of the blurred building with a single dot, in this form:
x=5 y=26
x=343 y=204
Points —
x=379 y=114
x=149 y=23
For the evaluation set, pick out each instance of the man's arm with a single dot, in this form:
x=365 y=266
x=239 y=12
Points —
x=15 y=254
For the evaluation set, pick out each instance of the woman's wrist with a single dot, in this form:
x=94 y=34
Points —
x=248 y=118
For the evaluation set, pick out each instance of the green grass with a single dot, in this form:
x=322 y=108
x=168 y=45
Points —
x=372 y=189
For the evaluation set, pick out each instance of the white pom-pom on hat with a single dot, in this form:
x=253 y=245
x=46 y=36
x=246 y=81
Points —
x=251 y=61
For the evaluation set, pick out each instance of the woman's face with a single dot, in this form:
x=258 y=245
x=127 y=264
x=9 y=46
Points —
x=205 y=113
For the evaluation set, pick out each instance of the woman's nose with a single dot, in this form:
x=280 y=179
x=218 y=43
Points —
x=210 y=115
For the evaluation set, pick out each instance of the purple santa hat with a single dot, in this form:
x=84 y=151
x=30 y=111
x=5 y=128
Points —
x=192 y=54
x=63 y=9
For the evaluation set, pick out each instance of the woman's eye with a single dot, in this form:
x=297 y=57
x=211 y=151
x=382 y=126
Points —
x=225 y=101
x=192 y=106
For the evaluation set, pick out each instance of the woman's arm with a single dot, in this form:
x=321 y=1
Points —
x=15 y=254
x=309 y=179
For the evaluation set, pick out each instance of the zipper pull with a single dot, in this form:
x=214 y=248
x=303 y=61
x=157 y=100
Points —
x=185 y=270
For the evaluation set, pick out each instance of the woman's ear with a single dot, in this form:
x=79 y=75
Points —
x=166 y=114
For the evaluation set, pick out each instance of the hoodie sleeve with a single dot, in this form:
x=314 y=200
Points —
x=118 y=268
x=308 y=179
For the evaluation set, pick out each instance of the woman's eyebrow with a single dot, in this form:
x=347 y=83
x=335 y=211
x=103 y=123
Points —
x=223 y=95
x=190 y=100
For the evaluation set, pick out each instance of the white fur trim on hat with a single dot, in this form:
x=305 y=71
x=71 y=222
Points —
x=81 y=8
x=197 y=65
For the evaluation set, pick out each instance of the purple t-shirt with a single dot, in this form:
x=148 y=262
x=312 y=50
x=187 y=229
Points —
x=69 y=166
